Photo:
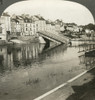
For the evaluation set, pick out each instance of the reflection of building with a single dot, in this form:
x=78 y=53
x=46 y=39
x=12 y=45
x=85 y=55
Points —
x=6 y=59
x=87 y=61
x=11 y=57
x=26 y=54
x=30 y=52
x=5 y=26
x=3 y=56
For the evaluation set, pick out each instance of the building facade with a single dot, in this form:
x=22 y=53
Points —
x=5 y=26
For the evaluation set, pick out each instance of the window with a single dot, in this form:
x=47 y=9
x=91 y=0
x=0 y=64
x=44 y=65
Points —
x=34 y=26
x=26 y=20
x=17 y=23
x=30 y=29
x=0 y=49
x=26 y=29
x=0 y=29
x=37 y=25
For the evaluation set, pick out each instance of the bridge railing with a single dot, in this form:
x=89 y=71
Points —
x=62 y=37
x=54 y=36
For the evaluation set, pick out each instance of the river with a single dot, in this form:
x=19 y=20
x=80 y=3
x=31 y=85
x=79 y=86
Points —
x=29 y=70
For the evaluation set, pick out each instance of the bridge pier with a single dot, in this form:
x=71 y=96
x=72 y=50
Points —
x=46 y=41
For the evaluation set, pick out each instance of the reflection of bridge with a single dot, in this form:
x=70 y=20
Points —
x=50 y=36
x=52 y=52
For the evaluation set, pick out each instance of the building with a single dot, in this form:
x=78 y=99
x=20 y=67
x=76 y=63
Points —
x=72 y=27
x=20 y=25
x=29 y=26
x=5 y=26
x=40 y=23
x=58 y=25
x=26 y=25
x=53 y=27
x=14 y=26
x=17 y=25
x=48 y=25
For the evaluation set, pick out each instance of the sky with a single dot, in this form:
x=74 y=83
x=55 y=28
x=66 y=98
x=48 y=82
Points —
x=68 y=11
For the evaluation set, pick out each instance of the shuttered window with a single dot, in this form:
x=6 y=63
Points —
x=0 y=29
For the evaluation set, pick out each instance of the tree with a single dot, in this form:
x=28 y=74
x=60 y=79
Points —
x=90 y=26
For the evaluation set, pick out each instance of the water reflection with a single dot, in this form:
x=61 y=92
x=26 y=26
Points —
x=15 y=56
x=88 y=61
x=30 y=70
x=53 y=52
x=3 y=59
x=23 y=55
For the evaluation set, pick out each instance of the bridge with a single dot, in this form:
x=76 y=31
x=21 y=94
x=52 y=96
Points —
x=54 y=37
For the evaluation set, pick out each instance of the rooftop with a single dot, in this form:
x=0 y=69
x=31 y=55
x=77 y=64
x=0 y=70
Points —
x=5 y=14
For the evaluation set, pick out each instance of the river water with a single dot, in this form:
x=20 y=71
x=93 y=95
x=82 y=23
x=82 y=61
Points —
x=29 y=70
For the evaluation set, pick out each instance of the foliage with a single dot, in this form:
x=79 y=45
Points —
x=90 y=27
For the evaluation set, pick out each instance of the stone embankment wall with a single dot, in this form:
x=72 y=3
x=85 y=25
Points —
x=28 y=38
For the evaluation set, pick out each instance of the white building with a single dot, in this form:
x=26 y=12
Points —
x=20 y=25
x=53 y=27
x=17 y=25
x=73 y=27
x=87 y=30
x=48 y=25
x=59 y=25
x=29 y=27
x=13 y=26
x=70 y=28
x=40 y=23
x=62 y=28
x=5 y=26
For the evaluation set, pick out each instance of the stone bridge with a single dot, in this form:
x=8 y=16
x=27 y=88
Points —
x=53 y=36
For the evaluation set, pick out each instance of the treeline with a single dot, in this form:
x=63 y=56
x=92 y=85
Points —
x=89 y=26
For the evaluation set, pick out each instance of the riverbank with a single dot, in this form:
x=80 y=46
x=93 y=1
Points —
x=30 y=39
x=29 y=72
x=20 y=40
x=82 y=88
x=3 y=42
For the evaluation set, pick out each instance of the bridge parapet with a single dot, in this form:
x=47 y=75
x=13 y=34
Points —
x=53 y=36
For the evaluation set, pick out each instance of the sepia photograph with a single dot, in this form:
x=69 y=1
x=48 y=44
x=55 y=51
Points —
x=47 y=50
